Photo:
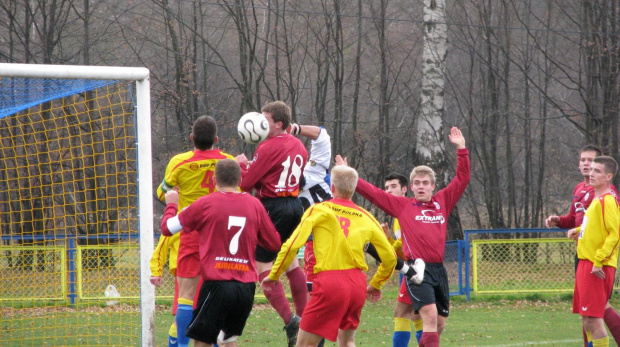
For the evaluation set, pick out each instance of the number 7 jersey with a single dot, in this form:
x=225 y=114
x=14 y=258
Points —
x=277 y=167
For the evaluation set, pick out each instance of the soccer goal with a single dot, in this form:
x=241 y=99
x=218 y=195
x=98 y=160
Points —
x=75 y=206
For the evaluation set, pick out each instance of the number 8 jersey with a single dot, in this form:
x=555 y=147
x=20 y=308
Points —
x=276 y=168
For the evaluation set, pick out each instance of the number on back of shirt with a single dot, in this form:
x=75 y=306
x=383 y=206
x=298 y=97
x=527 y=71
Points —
x=291 y=172
x=208 y=182
x=234 y=222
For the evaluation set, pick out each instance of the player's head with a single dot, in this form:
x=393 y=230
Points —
x=343 y=181
x=604 y=169
x=396 y=184
x=278 y=115
x=586 y=156
x=204 y=133
x=422 y=182
x=227 y=173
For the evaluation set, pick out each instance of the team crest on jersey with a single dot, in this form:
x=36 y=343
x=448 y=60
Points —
x=587 y=197
x=193 y=166
x=437 y=206
x=312 y=162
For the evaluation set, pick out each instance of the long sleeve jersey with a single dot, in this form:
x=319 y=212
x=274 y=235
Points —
x=229 y=227
x=316 y=189
x=423 y=224
x=582 y=198
x=340 y=230
x=599 y=235
x=167 y=246
x=276 y=168
x=192 y=172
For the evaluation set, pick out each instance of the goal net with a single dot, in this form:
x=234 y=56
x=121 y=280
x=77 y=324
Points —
x=76 y=224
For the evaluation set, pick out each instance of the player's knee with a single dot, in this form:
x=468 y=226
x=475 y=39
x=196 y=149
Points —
x=187 y=287
x=441 y=325
x=402 y=310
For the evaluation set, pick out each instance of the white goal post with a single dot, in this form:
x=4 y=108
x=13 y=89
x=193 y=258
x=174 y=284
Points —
x=143 y=152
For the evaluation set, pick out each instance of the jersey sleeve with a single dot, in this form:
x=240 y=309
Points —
x=390 y=204
x=251 y=175
x=169 y=212
x=567 y=221
x=160 y=255
x=611 y=219
x=457 y=186
x=168 y=182
x=297 y=239
x=388 y=258
x=321 y=150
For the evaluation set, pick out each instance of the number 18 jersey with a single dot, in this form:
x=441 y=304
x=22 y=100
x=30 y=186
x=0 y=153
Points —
x=276 y=168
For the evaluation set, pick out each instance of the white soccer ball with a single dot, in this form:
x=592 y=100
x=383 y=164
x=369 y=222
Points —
x=253 y=127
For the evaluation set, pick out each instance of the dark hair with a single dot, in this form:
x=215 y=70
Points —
x=591 y=148
x=402 y=180
x=227 y=173
x=611 y=166
x=204 y=131
x=280 y=112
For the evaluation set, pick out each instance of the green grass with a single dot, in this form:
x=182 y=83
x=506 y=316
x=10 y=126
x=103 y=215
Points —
x=509 y=320
x=516 y=320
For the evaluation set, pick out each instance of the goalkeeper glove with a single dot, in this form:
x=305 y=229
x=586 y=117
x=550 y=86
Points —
x=293 y=129
x=414 y=273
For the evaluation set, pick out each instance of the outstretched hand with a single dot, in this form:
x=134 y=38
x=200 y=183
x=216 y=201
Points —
x=456 y=137
x=340 y=160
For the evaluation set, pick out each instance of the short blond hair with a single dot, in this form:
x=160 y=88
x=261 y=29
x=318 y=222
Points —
x=344 y=179
x=422 y=170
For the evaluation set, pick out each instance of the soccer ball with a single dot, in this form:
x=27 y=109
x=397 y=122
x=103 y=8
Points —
x=253 y=127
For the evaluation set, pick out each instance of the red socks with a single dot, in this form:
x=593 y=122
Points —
x=429 y=339
x=612 y=320
x=299 y=290
x=277 y=299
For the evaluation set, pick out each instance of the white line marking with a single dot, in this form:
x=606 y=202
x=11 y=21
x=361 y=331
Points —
x=533 y=343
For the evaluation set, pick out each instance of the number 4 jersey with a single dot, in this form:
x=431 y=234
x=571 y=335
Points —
x=193 y=173
x=229 y=225
x=276 y=168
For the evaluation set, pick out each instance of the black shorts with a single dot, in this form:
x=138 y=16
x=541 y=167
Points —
x=222 y=305
x=433 y=290
x=285 y=213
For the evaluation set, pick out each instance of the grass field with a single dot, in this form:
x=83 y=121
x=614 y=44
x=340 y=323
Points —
x=485 y=321
x=532 y=320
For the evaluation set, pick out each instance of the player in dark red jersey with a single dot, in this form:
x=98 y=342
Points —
x=230 y=225
x=423 y=223
x=275 y=174
x=583 y=194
